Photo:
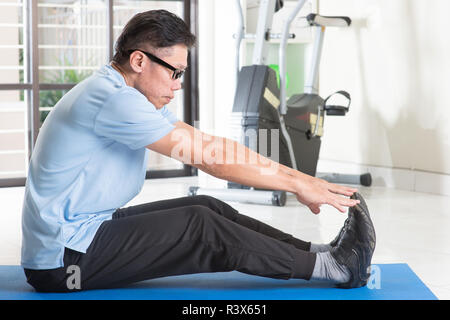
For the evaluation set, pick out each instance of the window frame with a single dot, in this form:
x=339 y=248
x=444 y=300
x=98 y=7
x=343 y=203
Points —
x=32 y=86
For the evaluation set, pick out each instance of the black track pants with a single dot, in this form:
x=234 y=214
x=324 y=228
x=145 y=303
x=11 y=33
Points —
x=178 y=236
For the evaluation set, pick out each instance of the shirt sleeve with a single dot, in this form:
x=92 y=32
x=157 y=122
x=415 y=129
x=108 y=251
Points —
x=129 y=118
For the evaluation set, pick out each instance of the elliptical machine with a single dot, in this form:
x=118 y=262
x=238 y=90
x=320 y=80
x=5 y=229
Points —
x=260 y=104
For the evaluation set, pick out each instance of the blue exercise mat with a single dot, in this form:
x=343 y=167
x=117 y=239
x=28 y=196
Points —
x=387 y=282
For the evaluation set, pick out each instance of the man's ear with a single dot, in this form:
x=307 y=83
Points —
x=137 y=61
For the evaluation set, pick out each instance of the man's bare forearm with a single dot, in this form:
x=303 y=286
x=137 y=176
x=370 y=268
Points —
x=237 y=163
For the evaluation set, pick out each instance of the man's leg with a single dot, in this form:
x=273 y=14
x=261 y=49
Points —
x=180 y=241
x=219 y=207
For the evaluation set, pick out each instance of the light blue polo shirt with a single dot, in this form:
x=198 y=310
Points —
x=89 y=159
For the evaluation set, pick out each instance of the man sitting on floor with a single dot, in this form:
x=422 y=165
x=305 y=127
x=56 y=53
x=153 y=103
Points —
x=90 y=160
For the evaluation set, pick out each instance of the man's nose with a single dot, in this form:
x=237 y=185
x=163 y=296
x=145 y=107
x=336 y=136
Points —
x=176 y=84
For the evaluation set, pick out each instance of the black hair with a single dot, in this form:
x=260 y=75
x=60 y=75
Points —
x=157 y=28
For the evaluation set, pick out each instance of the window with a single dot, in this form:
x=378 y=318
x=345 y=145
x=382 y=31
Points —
x=13 y=129
x=124 y=11
x=14 y=105
x=47 y=47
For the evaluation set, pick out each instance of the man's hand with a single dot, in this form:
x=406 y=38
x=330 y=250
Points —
x=313 y=192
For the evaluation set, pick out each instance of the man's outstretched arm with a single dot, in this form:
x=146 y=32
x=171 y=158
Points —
x=229 y=160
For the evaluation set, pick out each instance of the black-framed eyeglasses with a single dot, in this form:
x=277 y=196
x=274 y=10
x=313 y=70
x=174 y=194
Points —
x=177 y=73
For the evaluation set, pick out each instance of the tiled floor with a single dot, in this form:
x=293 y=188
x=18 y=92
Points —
x=411 y=227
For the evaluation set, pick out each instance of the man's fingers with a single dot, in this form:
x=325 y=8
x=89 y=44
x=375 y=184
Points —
x=339 y=207
x=314 y=208
x=348 y=202
x=346 y=191
x=342 y=203
x=333 y=195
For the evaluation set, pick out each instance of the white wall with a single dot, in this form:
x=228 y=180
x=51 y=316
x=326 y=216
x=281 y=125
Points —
x=394 y=60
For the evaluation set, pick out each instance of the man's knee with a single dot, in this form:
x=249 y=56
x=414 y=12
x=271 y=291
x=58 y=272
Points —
x=202 y=217
x=207 y=201
x=218 y=206
x=199 y=211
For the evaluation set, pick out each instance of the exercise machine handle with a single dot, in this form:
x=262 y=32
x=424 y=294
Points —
x=335 y=110
x=317 y=20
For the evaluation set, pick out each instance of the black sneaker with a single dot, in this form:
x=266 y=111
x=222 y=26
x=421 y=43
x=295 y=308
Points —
x=356 y=196
x=336 y=240
x=356 y=246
